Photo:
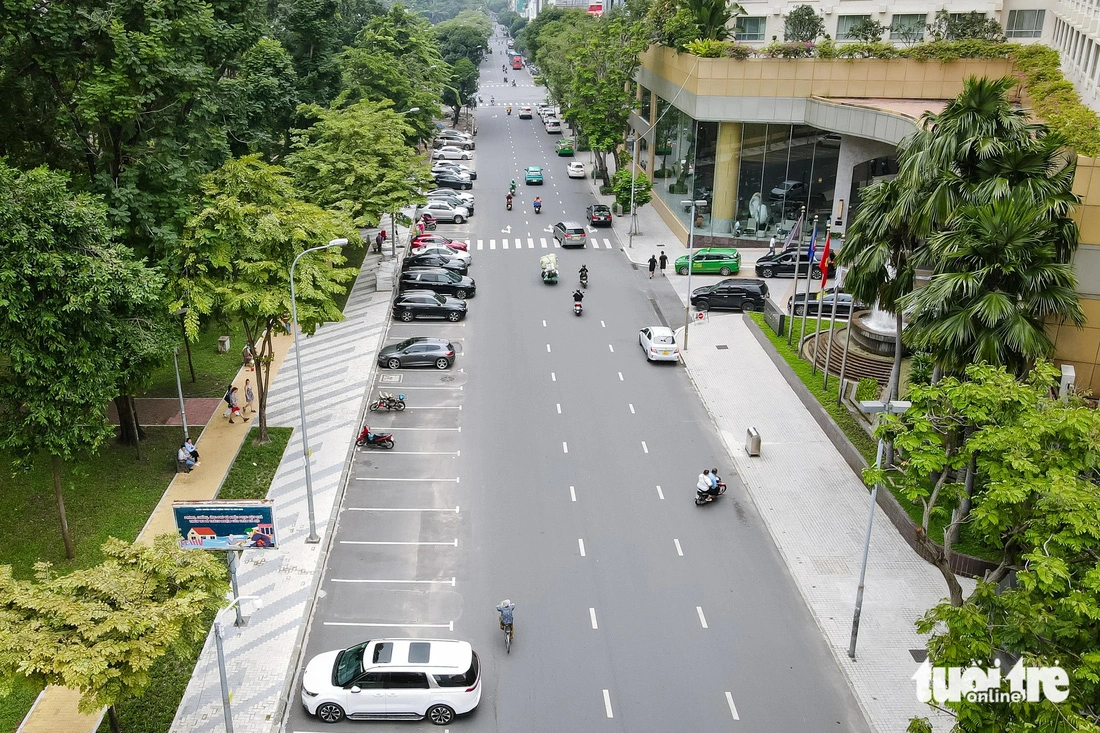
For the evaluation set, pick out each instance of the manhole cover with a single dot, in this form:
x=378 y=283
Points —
x=446 y=379
x=390 y=377
x=721 y=346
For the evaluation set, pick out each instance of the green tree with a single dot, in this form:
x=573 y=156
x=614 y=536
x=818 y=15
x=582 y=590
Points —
x=557 y=41
x=600 y=98
x=464 y=36
x=462 y=90
x=65 y=302
x=867 y=31
x=356 y=160
x=712 y=17
x=100 y=630
x=949 y=26
x=803 y=24
x=671 y=24
x=396 y=58
x=620 y=187
x=266 y=96
x=234 y=260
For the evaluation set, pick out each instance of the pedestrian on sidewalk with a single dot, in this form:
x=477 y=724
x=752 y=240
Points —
x=185 y=458
x=235 y=406
x=652 y=265
x=378 y=239
x=190 y=446
x=249 y=396
x=246 y=358
x=663 y=261
x=228 y=400
x=771 y=246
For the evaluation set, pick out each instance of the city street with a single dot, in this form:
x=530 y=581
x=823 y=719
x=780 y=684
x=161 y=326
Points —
x=553 y=465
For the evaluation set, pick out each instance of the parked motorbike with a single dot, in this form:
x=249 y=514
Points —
x=388 y=401
x=704 y=497
x=429 y=222
x=377 y=440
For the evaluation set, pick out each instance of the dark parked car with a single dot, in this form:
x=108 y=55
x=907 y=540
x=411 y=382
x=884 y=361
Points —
x=843 y=301
x=731 y=294
x=450 y=179
x=782 y=264
x=598 y=214
x=426 y=304
x=430 y=259
x=447 y=282
x=418 y=351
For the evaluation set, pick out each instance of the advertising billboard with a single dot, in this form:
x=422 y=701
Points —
x=225 y=525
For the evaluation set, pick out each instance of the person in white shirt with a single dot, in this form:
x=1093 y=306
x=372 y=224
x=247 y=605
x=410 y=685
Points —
x=184 y=457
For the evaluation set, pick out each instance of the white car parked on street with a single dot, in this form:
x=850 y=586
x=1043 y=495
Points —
x=444 y=211
x=576 y=169
x=659 y=343
x=442 y=249
x=451 y=152
x=399 y=679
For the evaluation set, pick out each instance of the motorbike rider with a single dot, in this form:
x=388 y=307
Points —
x=578 y=296
x=538 y=203
x=513 y=82
x=508 y=200
x=512 y=186
x=704 y=485
x=583 y=272
x=492 y=100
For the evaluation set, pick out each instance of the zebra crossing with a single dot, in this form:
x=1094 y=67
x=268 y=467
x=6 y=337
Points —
x=532 y=243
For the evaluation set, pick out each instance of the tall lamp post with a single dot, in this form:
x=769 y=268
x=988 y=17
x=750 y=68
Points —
x=633 y=142
x=227 y=710
x=691 y=246
x=312 y=538
x=871 y=407
x=179 y=390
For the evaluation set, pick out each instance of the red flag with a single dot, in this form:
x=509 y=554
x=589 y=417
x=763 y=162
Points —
x=825 y=263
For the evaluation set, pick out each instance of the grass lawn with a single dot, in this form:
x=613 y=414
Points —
x=212 y=370
x=249 y=478
x=969 y=543
x=110 y=495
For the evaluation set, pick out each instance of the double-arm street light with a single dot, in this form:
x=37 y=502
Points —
x=313 y=537
x=691 y=245
x=872 y=407
x=227 y=711
x=633 y=142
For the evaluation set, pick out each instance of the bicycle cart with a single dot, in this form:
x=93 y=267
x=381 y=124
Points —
x=549 y=265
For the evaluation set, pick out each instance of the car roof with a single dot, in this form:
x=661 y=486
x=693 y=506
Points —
x=420 y=292
x=421 y=269
x=599 y=206
x=742 y=281
x=572 y=225
x=660 y=330
x=534 y=168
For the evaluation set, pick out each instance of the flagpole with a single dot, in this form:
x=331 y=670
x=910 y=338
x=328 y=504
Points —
x=821 y=301
x=837 y=291
x=809 y=269
x=844 y=359
x=795 y=235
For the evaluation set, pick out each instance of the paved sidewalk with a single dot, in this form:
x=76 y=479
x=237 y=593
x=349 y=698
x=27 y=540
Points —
x=814 y=506
x=261 y=657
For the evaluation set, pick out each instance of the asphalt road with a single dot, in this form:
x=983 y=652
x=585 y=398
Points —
x=556 y=467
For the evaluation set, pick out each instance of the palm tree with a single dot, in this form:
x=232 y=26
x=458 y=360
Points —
x=713 y=16
x=878 y=255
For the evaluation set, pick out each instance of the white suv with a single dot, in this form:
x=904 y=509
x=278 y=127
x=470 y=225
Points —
x=402 y=679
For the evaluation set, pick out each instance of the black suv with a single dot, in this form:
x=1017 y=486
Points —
x=439 y=280
x=731 y=294
x=430 y=259
x=782 y=264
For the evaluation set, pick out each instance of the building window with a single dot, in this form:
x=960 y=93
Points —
x=1025 y=23
x=647 y=100
x=908 y=28
x=750 y=29
x=844 y=26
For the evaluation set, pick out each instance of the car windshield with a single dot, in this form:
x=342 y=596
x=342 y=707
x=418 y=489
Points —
x=349 y=664
x=439 y=299
x=663 y=339
x=601 y=209
x=405 y=344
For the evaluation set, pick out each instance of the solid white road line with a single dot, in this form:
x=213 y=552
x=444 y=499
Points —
x=621 y=376
x=660 y=493
x=400 y=509
x=612 y=347
x=572 y=493
x=450 y=626
x=544 y=323
x=454 y=543
x=631 y=406
x=452 y=430
x=580 y=543
x=679 y=550
x=564 y=447
x=450 y=582
x=553 y=377
x=592 y=615
x=424 y=452
x=559 y=408
x=548 y=348
x=645 y=448
x=435 y=407
x=607 y=703
x=603 y=325
x=378 y=478
x=733 y=708
x=702 y=618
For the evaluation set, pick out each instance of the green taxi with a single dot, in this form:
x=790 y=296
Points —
x=532 y=175
x=565 y=146
x=717 y=260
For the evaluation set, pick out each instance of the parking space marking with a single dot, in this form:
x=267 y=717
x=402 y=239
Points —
x=453 y=543
x=572 y=494
x=679 y=551
x=580 y=543
x=592 y=615
x=444 y=581
x=607 y=704
x=733 y=708
x=423 y=452
x=660 y=493
x=406 y=478
x=401 y=509
x=450 y=626
x=442 y=386
x=702 y=618
x=433 y=407
x=450 y=430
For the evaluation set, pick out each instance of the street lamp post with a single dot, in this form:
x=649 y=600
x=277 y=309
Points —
x=179 y=390
x=691 y=245
x=312 y=538
x=871 y=407
x=227 y=710
x=633 y=142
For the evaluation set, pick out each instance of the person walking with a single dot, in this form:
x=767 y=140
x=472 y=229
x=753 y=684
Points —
x=652 y=265
x=228 y=400
x=249 y=397
x=378 y=240
x=235 y=406
x=771 y=246
x=662 y=262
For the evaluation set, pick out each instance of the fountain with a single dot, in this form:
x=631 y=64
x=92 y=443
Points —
x=875 y=330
